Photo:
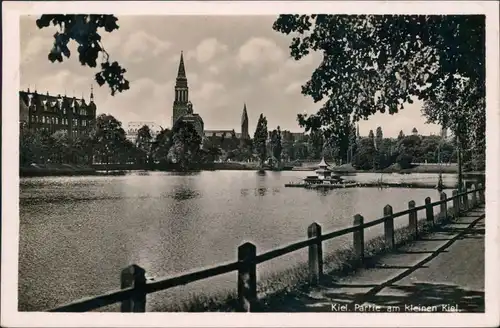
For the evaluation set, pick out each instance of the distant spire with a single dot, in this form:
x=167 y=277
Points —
x=244 y=115
x=182 y=71
x=91 y=92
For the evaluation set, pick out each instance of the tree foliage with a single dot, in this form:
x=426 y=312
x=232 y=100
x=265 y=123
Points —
x=185 y=147
x=276 y=145
x=378 y=63
x=260 y=139
x=85 y=31
x=109 y=136
x=143 y=142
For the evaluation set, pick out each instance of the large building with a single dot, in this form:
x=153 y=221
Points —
x=133 y=127
x=183 y=108
x=54 y=113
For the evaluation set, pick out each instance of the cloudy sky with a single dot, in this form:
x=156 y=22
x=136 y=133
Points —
x=229 y=60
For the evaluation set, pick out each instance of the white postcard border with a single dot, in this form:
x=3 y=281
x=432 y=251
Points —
x=10 y=317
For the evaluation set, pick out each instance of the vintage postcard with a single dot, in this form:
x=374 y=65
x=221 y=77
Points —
x=238 y=163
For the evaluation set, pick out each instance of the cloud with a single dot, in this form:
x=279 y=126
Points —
x=146 y=100
x=64 y=82
x=31 y=50
x=207 y=50
x=208 y=91
x=294 y=87
x=214 y=69
x=140 y=44
x=258 y=51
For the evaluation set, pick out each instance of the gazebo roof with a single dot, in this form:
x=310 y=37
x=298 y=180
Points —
x=323 y=163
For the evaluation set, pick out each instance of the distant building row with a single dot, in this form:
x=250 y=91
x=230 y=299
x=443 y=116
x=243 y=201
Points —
x=49 y=113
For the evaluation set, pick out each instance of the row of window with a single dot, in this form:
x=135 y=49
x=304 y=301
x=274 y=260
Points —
x=81 y=111
x=74 y=132
x=57 y=120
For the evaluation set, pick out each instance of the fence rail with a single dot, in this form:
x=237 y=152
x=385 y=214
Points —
x=134 y=287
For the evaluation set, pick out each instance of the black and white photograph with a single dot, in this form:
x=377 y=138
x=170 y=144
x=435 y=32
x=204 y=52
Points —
x=337 y=161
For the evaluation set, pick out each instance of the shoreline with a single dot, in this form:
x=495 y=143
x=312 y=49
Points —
x=122 y=169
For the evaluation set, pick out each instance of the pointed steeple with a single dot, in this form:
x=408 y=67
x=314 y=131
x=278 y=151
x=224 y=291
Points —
x=181 y=73
x=244 y=115
x=244 y=123
x=91 y=93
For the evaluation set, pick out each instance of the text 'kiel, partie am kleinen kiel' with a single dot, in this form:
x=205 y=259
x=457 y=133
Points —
x=335 y=307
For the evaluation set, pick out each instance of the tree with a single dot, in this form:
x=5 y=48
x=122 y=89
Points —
x=364 y=158
x=276 y=146
x=315 y=144
x=161 y=146
x=143 y=142
x=353 y=143
x=378 y=137
x=186 y=142
x=401 y=135
x=109 y=136
x=260 y=139
x=85 y=31
x=371 y=136
x=378 y=63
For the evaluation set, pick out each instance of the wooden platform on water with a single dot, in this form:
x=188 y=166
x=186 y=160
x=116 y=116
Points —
x=365 y=185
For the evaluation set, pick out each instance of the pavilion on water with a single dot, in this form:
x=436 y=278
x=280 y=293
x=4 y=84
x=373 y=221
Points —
x=323 y=172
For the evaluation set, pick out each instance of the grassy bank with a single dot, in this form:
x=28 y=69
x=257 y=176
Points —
x=276 y=288
x=428 y=168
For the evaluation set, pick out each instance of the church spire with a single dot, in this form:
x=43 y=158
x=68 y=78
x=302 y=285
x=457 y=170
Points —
x=91 y=92
x=244 y=123
x=244 y=115
x=182 y=71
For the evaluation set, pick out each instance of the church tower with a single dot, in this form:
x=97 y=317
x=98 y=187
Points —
x=244 y=123
x=181 y=101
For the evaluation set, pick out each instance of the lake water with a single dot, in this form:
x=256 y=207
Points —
x=77 y=233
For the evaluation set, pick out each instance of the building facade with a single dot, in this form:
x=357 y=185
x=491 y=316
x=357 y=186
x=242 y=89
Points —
x=133 y=127
x=50 y=113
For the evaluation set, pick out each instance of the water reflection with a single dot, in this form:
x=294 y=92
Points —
x=184 y=194
x=260 y=191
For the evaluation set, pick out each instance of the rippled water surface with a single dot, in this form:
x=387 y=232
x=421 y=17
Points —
x=77 y=233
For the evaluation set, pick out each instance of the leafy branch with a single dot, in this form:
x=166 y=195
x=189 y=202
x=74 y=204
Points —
x=84 y=30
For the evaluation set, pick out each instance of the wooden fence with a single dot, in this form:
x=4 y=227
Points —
x=134 y=287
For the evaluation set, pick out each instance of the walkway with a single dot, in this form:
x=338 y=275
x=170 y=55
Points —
x=443 y=271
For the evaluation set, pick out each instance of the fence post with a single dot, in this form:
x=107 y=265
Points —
x=443 y=207
x=456 y=204
x=429 y=210
x=481 y=193
x=413 y=219
x=466 y=200
x=474 y=196
x=315 y=254
x=389 y=227
x=358 y=238
x=247 y=277
x=134 y=276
